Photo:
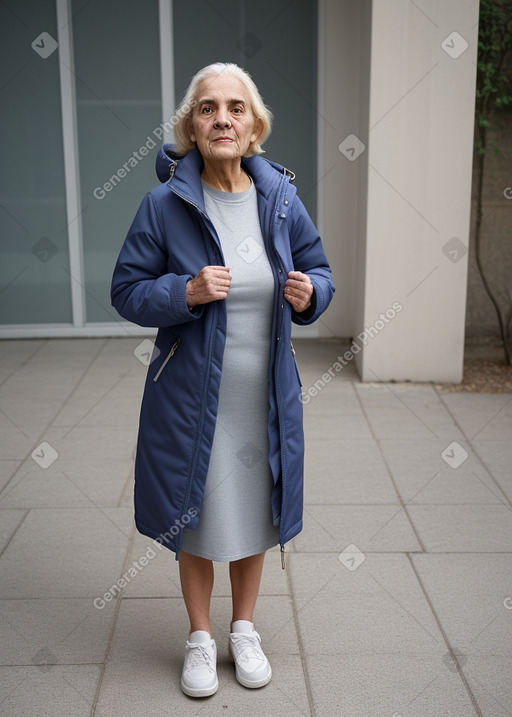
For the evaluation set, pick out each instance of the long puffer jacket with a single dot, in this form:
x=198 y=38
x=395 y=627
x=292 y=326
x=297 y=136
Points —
x=170 y=240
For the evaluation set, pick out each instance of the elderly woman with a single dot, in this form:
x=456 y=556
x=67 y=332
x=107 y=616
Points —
x=222 y=257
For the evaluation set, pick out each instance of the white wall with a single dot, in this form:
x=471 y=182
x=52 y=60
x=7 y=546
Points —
x=340 y=53
x=419 y=162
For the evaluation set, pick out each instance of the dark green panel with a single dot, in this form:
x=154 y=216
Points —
x=34 y=271
x=117 y=63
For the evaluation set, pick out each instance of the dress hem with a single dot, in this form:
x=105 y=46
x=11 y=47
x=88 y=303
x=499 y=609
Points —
x=232 y=558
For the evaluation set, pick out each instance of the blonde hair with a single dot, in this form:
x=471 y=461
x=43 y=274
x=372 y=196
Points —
x=186 y=107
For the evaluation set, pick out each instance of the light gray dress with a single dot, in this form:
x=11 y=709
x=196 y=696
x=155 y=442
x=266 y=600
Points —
x=236 y=515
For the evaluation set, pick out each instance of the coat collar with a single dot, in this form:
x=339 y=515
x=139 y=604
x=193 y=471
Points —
x=183 y=174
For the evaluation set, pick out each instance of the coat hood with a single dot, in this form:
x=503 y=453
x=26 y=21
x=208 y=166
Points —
x=166 y=157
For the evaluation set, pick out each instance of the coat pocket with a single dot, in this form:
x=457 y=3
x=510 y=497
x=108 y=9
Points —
x=169 y=356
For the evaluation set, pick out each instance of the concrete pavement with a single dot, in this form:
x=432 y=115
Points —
x=397 y=596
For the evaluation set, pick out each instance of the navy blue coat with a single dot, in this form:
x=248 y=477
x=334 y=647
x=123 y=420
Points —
x=170 y=240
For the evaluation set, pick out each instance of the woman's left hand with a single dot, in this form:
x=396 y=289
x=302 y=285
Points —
x=298 y=290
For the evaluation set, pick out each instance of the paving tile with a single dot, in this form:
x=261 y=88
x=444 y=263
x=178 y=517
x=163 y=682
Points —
x=105 y=399
x=321 y=426
x=469 y=593
x=394 y=685
x=16 y=442
x=346 y=471
x=377 y=608
x=67 y=483
x=15 y=354
x=7 y=470
x=9 y=522
x=53 y=371
x=406 y=412
x=79 y=443
x=423 y=476
x=481 y=415
x=489 y=680
x=65 y=552
x=376 y=528
x=48 y=691
x=497 y=457
x=463 y=528
x=53 y=631
x=31 y=415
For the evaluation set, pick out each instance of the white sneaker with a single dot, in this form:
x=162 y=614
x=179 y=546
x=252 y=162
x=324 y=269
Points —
x=252 y=667
x=199 y=676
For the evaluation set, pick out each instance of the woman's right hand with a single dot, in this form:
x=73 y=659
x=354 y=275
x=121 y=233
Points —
x=211 y=284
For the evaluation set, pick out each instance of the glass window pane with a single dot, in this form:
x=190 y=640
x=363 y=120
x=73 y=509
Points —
x=117 y=65
x=34 y=271
x=276 y=43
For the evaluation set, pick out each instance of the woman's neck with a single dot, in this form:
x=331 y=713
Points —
x=227 y=177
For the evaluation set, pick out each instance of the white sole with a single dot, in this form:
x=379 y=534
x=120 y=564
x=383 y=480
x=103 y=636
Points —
x=200 y=692
x=253 y=685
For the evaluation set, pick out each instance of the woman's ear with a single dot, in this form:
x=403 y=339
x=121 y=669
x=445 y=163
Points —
x=258 y=130
x=190 y=131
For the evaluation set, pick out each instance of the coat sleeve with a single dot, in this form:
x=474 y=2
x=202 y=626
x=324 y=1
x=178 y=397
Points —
x=309 y=258
x=142 y=290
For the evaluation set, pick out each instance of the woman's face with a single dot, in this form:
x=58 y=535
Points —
x=223 y=124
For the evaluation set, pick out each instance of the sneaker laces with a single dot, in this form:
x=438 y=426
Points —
x=247 y=646
x=198 y=656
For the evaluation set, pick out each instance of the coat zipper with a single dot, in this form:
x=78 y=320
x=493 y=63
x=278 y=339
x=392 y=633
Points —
x=167 y=359
x=278 y=328
x=207 y=380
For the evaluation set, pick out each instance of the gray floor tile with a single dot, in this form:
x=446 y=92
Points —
x=406 y=412
x=67 y=483
x=65 y=552
x=16 y=442
x=497 y=457
x=321 y=426
x=16 y=354
x=393 y=685
x=341 y=611
x=490 y=683
x=55 y=631
x=346 y=471
x=48 y=691
x=482 y=415
x=31 y=415
x=377 y=528
x=7 y=470
x=78 y=443
x=463 y=528
x=470 y=595
x=423 y=476
x=106 y=399
x=9 y=522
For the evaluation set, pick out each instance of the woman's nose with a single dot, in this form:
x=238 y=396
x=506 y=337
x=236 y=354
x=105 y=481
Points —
x=222 y=120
